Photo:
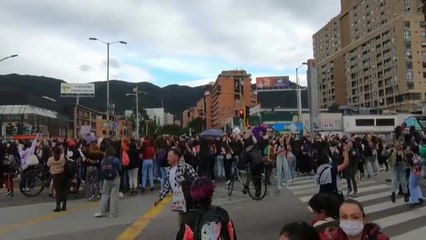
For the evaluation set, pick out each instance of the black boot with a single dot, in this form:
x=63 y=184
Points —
x=58 y=206
x=406 y=197
x=393 y=198
x=64 y=206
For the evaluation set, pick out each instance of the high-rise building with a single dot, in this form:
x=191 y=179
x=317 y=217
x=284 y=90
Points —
x=231 y=92
x=373 y=54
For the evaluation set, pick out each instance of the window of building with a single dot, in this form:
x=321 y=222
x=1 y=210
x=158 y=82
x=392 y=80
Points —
x=407 y=35
x=407 y=44
x=407 y=24
x=409 y=54
x=409 y=65
x=385 y=122
x=364 y=122
x=424 y=74
x=423 y=43
x=422 y=24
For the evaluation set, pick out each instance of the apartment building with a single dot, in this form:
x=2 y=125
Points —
x=374 y=50
x=231 y=92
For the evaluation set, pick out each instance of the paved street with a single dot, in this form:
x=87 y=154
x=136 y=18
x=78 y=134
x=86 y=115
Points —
x=31 y=218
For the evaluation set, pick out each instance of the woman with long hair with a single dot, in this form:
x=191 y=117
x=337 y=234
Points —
x=56 y=164
x=281 y=162
x=10 y=166
x=94 y=158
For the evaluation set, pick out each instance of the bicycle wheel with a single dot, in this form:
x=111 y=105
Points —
x=256 y=187
x=31 y=185
x=231 y=186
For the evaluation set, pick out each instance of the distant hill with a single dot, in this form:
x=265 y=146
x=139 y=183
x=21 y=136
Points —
x=175 y=98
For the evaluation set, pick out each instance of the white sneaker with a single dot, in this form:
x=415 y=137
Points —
x=279 y=187
x=228 y=182
x=120 y=195
x=98 y=215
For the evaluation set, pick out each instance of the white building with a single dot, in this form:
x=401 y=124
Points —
x=157 y=115
x=168 y=119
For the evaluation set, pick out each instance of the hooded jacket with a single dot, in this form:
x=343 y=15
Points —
x=371 y=232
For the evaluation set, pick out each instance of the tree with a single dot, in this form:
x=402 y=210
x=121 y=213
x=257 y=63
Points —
x=197 y=125
x=172 y=129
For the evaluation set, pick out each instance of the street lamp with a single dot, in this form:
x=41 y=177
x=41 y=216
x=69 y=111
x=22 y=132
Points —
x=299 y=95
x=136 y=94
x=108 y=44
x=11 y=56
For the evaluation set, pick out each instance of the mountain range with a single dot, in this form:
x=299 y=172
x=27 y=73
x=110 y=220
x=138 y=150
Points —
x=174 y=98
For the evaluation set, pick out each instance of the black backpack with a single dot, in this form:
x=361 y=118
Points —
x=108 y=169
x=213 y=214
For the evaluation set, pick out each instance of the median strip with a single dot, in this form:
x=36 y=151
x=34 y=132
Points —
x=142 y=223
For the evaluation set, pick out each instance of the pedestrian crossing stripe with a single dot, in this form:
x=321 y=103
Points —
x=407 y=216
x=314 y=189
x=415 y=234
x=375 y=198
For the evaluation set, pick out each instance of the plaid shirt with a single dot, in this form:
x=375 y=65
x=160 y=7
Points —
x=183 y=170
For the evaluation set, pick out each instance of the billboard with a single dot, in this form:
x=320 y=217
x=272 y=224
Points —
x=77 y=90
x=278 y=82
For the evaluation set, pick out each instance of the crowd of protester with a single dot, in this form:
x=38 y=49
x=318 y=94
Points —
x=188 y=167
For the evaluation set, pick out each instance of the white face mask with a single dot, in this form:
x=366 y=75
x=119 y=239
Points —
x=352 y=227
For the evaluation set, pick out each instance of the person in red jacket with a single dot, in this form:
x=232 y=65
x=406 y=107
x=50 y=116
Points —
x=148 y=153
x=353 y=224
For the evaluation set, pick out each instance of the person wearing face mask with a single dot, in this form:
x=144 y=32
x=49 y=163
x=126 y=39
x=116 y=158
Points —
x=353 y=224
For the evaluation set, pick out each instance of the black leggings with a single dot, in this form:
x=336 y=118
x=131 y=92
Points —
x=227 y=164
x=60 y=184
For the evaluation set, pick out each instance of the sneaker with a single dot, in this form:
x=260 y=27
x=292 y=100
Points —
x=279 y=187
x=152 y=189
x=355 y=194
x=99 y=215
x=228 y=182
x=56 y=210
x=349 y=193
x=8 y=194
x=112 y=216
x=120 y=195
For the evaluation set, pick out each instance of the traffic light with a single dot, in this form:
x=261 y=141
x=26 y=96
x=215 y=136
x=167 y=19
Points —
x=241 y=113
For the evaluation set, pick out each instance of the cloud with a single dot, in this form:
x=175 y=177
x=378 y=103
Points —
x=193 y=37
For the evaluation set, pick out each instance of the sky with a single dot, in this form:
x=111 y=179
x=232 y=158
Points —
x=185 y=42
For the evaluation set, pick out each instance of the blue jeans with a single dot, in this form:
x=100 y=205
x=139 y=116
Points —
x=147 y=173
x=219 y=167
x=291 y=167
x=282 y=170
x=414 y=184
x=398 y=177
x=157 y=171
x=164 y=171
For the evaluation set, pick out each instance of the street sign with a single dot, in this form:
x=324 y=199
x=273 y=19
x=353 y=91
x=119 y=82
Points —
x=77 y=90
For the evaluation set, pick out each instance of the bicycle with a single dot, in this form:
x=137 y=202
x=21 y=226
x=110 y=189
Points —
x=249 y=185
x=34 y=180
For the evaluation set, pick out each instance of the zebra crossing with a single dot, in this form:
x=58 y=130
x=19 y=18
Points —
x=398 y=220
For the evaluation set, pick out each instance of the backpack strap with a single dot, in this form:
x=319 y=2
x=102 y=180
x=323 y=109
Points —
x=319 y=178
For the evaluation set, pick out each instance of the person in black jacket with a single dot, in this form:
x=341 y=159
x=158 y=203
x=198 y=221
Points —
x=132 y=169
